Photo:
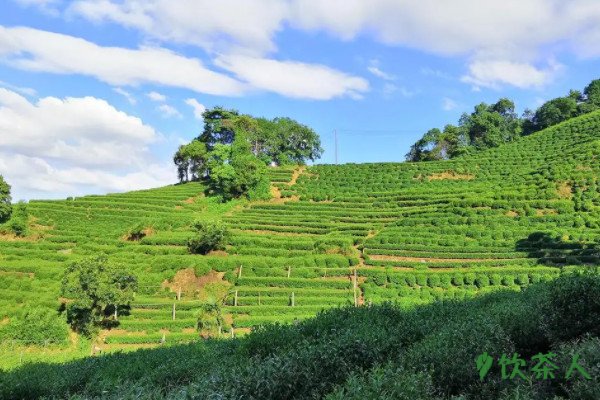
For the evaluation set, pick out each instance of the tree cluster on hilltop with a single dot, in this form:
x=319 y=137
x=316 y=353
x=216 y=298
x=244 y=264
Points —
x=233 y=150
x=492 y=125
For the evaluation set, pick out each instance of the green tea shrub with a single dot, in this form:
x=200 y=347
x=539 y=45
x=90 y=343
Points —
x=209 y=235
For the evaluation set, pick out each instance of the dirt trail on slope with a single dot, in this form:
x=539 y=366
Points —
x=297 y=172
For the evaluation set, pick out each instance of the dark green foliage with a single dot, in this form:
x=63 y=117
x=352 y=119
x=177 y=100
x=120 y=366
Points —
x=386 y=383
x=209 y=235
x=5 y=200
x=554 y=112
x=366 y=352
x=210 y=318
x=190 y=160
x=492 y=125
x=574 y=307
x=93 y=287
x=487 y=126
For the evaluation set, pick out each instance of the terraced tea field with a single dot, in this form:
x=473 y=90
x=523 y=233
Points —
x=408 y=233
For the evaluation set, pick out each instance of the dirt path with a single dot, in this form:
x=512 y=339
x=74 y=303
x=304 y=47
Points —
x=297 y=172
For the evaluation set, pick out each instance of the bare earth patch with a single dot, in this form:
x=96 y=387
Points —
x=200 y=287
x=564 y=190
x=512 y=214
x=450 y=175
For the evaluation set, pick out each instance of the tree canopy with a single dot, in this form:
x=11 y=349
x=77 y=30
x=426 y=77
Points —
x=492 y=125
x=94 y=289
x=233 y=150
x=5 y=200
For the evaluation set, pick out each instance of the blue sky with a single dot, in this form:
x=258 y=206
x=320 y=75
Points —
x=96 y=95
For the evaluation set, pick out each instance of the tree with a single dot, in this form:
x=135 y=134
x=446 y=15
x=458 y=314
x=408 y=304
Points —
x=217 y=128
x=555 y=111
x=289 y=142
x=5 y=200
x=280 y=140
x=94 y=288
x=209 y=235
x=491 y=126
x=487 y=126
x=190 y=160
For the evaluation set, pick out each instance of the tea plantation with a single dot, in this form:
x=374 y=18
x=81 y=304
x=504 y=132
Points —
x=332 y=235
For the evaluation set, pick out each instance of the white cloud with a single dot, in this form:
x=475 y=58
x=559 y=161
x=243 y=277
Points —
x=375 y=70
x=482 y=31
x=73 y=146
x=294 y=79
x=130 y=98
x=49 y=7
x=168 y=111
x=23 y=90
x=37 y=50
x=522 y=75
x=198 y=108
x=154 y=96
x=244 y=25
x=448 y=104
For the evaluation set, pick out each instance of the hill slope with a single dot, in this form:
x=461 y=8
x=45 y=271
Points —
x=348 y=234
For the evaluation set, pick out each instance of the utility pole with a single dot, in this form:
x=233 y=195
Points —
x=336 y=145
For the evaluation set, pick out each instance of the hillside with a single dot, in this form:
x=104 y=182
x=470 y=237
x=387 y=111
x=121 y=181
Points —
x=332 y=235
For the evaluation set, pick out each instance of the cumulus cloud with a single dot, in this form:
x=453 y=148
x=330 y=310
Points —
x=522 y=75
x=168 y=111
x=375 y=70
x=244 y=25
x=483 y=31
x=197 y=107
x=37 y=50
x=74 y=146
x=294 y=79
x=155 y=96
x=49 y=7
x=128 y=96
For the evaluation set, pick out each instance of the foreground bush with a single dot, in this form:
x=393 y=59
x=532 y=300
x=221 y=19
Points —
x=366 y=352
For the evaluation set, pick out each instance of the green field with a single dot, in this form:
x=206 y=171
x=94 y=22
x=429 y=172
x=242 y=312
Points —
x=354 y=234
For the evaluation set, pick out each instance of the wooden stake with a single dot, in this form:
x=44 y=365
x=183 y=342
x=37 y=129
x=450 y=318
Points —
x=179 y=293
x=173 y=313
x=289 y=271
x=235 y=302
x=232 y=332
x=355 y=286
x=259 y=298
x=116 y=313
x=293 y=300
x=240 y=272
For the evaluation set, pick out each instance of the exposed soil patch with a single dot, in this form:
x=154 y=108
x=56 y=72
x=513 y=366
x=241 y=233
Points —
x=512 y=214
x=564 y=190
x=450 y=175
x=297 y=172
x=217 y=253
x=545 y=211
x=193 y=199
x=202 y=287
